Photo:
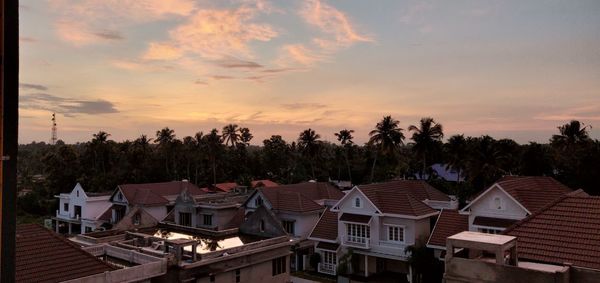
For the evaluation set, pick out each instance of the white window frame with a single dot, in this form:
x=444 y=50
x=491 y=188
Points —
x=391 y=226
x=329 y=257
x=501 y=203
x=359 y=202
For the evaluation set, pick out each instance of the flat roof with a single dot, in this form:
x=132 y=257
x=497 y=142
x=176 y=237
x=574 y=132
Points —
x=477 y=237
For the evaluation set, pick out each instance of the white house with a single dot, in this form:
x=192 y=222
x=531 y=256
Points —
x=504 y=203
x=80 y=212
x=297 y=207
x=378 y=222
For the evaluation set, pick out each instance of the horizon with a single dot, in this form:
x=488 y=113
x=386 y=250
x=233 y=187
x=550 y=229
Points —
x=509 y=70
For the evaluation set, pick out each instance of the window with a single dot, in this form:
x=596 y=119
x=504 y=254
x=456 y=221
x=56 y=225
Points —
x=497 y=203
x=395 y=233
x=66 y=207
x=119 y=196
x=185 y=219
x=77 y=193
x=357 y=202
x=490 y=231
x=137 y=218
x=88 y=229
x=278 y=266
x=212 y=279
x=329 y=257
x=258 y=202
x=77 y=211
x=207 y=218
x=262 y=226
x=237 y=276
x=288 y=226
x=357 y=233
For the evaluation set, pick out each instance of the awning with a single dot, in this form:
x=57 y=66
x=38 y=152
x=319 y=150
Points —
x=328 y=246
x=356 y=218
x=493 y=222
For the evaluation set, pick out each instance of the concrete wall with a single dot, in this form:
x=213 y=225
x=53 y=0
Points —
x=250 y=204
x=158 y=212
x=461 y=270
x=260 y=272
x=272 y=225
x=303 y=223
x=582 y=275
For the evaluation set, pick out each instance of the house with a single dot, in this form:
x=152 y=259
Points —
x=208 y=211
x=377 y=222
x=232 y=186
x=297 y=208
x=487 y=258
x=504 y=203
x=156 y=199
x=80 y=211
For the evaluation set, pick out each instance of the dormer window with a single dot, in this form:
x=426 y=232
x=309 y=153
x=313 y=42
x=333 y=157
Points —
x=119 y=196
x=258 y=202
x=357 y=202
x=77 y=193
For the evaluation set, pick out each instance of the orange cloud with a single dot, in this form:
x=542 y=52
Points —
x=298 y=53
x=162 y=51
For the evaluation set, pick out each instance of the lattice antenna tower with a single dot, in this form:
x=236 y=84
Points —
x=54 y=136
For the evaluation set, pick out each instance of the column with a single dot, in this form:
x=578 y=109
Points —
x=70 y=228
x=57 y=224
x=366 y=265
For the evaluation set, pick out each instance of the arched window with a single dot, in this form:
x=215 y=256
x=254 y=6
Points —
x=357 y=202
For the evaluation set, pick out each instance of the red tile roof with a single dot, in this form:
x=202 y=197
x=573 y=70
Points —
x=327 y=227
x=493 y=222
x=418 y=189
x=289 y=200
x=449 y=222
x=533 y=192
x=43 y=256
x=264 y=183
x=402 y=197
x=155 y=193
x=314 y=190
x=328 y=246
x=566 y=230
x=225 y=187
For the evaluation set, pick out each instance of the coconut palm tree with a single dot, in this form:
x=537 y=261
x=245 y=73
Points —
x=165 y=138
x=345 y=138
x=426 y=137
x=308 y=143
x=456 y=152
x=230 y=135
x=100 y=148
x=386 y=137
x=213 y=143
x=571 y=133
x=245 y=136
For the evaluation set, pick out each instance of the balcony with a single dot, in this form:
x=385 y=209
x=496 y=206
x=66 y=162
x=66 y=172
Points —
x=355 y=241
x=327 y=268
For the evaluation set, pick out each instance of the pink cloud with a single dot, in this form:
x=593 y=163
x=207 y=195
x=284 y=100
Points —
x=298 y=53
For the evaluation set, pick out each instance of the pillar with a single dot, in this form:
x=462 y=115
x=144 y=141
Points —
x=57 y=224
x=70 y=228
x=366 y=265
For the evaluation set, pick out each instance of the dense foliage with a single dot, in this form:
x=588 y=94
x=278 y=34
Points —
x=100 y=164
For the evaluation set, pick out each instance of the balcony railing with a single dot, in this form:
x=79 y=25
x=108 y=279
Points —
x=327 y=268
x=355 y=241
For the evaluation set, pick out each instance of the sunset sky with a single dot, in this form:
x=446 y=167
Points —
x=514 y=69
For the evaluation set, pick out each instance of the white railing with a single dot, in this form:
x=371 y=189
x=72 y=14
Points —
x=355 y=241
x=327 y=268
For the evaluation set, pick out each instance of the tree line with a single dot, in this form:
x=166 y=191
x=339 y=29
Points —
x=226 y=155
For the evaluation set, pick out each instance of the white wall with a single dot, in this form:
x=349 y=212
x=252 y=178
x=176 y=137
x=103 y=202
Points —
x=485 y=206
x=158 y=212
x=250 y=205
x=303 y=224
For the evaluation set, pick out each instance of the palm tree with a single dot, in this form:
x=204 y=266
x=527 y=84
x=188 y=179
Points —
x=165 y=138
x=426 y=137
x=345 y=138
x=245 y=136
x=387 y=137
x=213 y=143
x=230 y=135
x=456 y=152
x=309 y=142
x=100 y=148
x=571 y=133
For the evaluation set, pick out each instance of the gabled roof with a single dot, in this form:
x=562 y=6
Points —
x=264 y=183
x=288 y=200
x=43 y=256
x=327 y=227
x=403 y=197
x=314 y=190
x=531 y=192
x=155 y=193
x=449 y=222
x=418 y=189
x=225 y=187
x=567 y=230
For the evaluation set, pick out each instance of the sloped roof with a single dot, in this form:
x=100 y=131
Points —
x=327 y=227
x=264 y=183
x=314 y=190
x=237 y=219
x=449 y=222
x=533 y=192
x=403 y=196
x=154 y=193
x=225 y=187
x=418 y=189
x=563 y=231
x=289 y=200
x=43 y=256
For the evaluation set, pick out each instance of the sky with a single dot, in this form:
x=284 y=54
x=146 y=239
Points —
x=510 y=69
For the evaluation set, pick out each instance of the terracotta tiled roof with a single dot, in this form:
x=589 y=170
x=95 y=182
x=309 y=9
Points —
x=533 y=192
x=349 y=217
x=402 y=197
x=237 y=219
x=418 y=189
x=289 y=200
x=225 y=187
x=314 y=190
x=107 y=214
x=449 y=222
x=328 y=246
x=43 y=256
x=154 y=193
x=327 y=227
x=493 y=222
x=264 y=183
x=566 y=230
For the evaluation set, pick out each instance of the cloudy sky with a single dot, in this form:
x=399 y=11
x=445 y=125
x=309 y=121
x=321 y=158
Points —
x=514 y=69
